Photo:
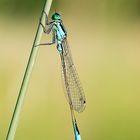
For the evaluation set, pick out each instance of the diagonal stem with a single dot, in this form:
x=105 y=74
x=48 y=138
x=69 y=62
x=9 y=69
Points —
x=27 y=75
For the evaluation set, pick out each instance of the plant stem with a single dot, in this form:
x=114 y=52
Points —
x=27 y=75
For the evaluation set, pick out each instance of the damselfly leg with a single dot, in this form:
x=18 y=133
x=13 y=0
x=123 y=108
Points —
x=48 y=30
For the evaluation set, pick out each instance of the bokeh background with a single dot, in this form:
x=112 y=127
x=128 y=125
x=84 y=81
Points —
x=104 y=36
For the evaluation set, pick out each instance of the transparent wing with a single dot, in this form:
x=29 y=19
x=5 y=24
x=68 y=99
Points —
x=74 y=90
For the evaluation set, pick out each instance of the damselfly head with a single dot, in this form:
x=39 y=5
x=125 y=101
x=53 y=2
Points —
x=56 y=16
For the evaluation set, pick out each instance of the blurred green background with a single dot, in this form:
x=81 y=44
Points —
x=104 y=36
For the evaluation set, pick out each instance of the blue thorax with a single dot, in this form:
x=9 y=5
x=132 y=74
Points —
x=60 y=33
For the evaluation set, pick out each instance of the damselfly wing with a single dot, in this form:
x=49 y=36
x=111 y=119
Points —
x=74 y=90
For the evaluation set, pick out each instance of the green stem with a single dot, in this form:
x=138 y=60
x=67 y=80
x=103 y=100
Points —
x=27 y=75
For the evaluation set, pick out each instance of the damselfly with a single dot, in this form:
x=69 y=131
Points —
x=74 y=90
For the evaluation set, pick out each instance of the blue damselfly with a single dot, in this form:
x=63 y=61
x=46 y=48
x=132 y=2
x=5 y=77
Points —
x=74 y=91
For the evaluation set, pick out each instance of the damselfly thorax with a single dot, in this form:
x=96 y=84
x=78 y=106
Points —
x=60 y=35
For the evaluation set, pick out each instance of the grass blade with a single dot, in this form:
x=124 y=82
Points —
x=27 y=75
